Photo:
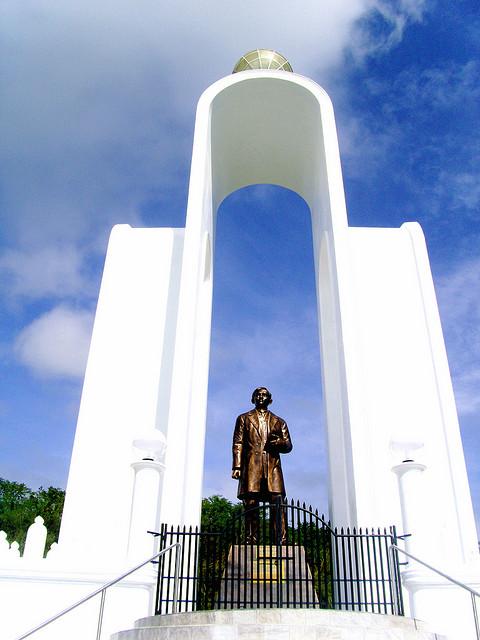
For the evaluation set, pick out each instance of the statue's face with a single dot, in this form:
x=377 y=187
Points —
x=262 y=398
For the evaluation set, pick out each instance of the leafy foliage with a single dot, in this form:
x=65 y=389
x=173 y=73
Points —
x=218 y=513
x=19 y=506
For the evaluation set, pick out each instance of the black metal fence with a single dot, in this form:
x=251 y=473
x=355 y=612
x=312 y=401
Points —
x=316 y=566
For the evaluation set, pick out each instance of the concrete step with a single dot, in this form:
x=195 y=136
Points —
x=278 y=624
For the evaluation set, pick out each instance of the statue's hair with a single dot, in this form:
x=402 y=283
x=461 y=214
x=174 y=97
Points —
x=258 y=389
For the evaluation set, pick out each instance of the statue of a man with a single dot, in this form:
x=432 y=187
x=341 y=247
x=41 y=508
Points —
x=258 y=440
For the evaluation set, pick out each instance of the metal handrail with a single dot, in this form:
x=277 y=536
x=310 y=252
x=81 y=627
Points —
x=394 y=548
x=106 y=586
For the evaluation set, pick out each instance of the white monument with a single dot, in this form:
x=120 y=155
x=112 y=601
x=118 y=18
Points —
x=385 y=372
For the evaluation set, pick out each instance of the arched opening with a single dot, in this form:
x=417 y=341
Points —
x=265 y=332
x=270 y=129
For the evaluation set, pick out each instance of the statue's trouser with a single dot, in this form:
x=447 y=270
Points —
x=252 y=517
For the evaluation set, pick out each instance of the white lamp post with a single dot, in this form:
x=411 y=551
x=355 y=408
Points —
x=148 y=469
x=412 y=505
x=411 y=492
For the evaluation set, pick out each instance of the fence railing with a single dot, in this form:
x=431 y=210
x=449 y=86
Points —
x=394 y=550
x=316 y=566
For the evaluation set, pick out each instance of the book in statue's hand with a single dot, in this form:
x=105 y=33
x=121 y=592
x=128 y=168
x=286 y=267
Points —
x=273 y=440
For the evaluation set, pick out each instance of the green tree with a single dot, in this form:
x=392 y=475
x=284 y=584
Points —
x=19 y=506
x=218 y=513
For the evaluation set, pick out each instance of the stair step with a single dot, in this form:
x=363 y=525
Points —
x=277 y=624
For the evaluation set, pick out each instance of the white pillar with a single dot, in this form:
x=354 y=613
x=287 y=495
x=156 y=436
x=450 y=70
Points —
x=412 y=504
x=36 y=538
x=4 y=546
x=432 y=598
x=145 y=508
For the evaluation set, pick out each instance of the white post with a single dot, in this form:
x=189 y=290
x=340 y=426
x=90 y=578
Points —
x=146 y=496
x=411 y=504
x=431 y=597
x=4 y=546
x=52 y=552
x=36 y=539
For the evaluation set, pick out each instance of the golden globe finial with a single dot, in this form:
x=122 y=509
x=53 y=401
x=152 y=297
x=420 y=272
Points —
x=262 y=59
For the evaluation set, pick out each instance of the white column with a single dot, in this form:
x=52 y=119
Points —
x=4 y=545
x=145 y=511
x=412 y=504
x=36 y=538
x=431 y=598
x=145 y=507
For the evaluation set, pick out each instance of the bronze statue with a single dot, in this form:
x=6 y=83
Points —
x=258 y=440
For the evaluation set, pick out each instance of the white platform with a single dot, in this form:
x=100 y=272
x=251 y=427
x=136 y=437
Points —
x=275 y=624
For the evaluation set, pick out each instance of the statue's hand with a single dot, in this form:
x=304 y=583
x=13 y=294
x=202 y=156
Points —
x=236 y=474
x=274 y=440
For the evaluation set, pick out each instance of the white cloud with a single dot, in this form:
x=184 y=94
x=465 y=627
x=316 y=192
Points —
x=420 y=133
x=49 y=271
x=448 y=86
x=384 y=25
x=109 y=126
x=458 y=190
x=56 y=344
x=460 y=307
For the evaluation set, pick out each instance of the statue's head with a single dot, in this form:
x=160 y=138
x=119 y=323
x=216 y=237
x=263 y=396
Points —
x=261 y=396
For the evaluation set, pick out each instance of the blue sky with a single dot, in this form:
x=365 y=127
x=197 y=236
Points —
x=97 y=114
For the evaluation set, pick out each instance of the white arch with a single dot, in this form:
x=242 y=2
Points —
x=383 y=357
x=255 y=127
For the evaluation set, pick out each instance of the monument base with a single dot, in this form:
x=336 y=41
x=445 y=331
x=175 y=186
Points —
x=266 y=576
x=287 y=624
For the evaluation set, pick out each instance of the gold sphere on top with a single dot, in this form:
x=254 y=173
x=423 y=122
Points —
x=262 y=59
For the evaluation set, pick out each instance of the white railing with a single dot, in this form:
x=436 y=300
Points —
x=106 y=586
x=473 y=594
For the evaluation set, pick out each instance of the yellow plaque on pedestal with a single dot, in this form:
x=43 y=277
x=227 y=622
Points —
x=266 y=565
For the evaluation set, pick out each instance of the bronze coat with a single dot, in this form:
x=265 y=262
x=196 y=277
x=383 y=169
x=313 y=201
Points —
x=256 y=460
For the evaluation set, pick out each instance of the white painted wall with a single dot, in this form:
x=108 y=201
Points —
x=405 y=391
x=30 y=593
x=126 y=390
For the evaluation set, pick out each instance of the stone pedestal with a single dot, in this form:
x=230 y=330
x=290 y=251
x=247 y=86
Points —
x=280 y=624
x=266 y=576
